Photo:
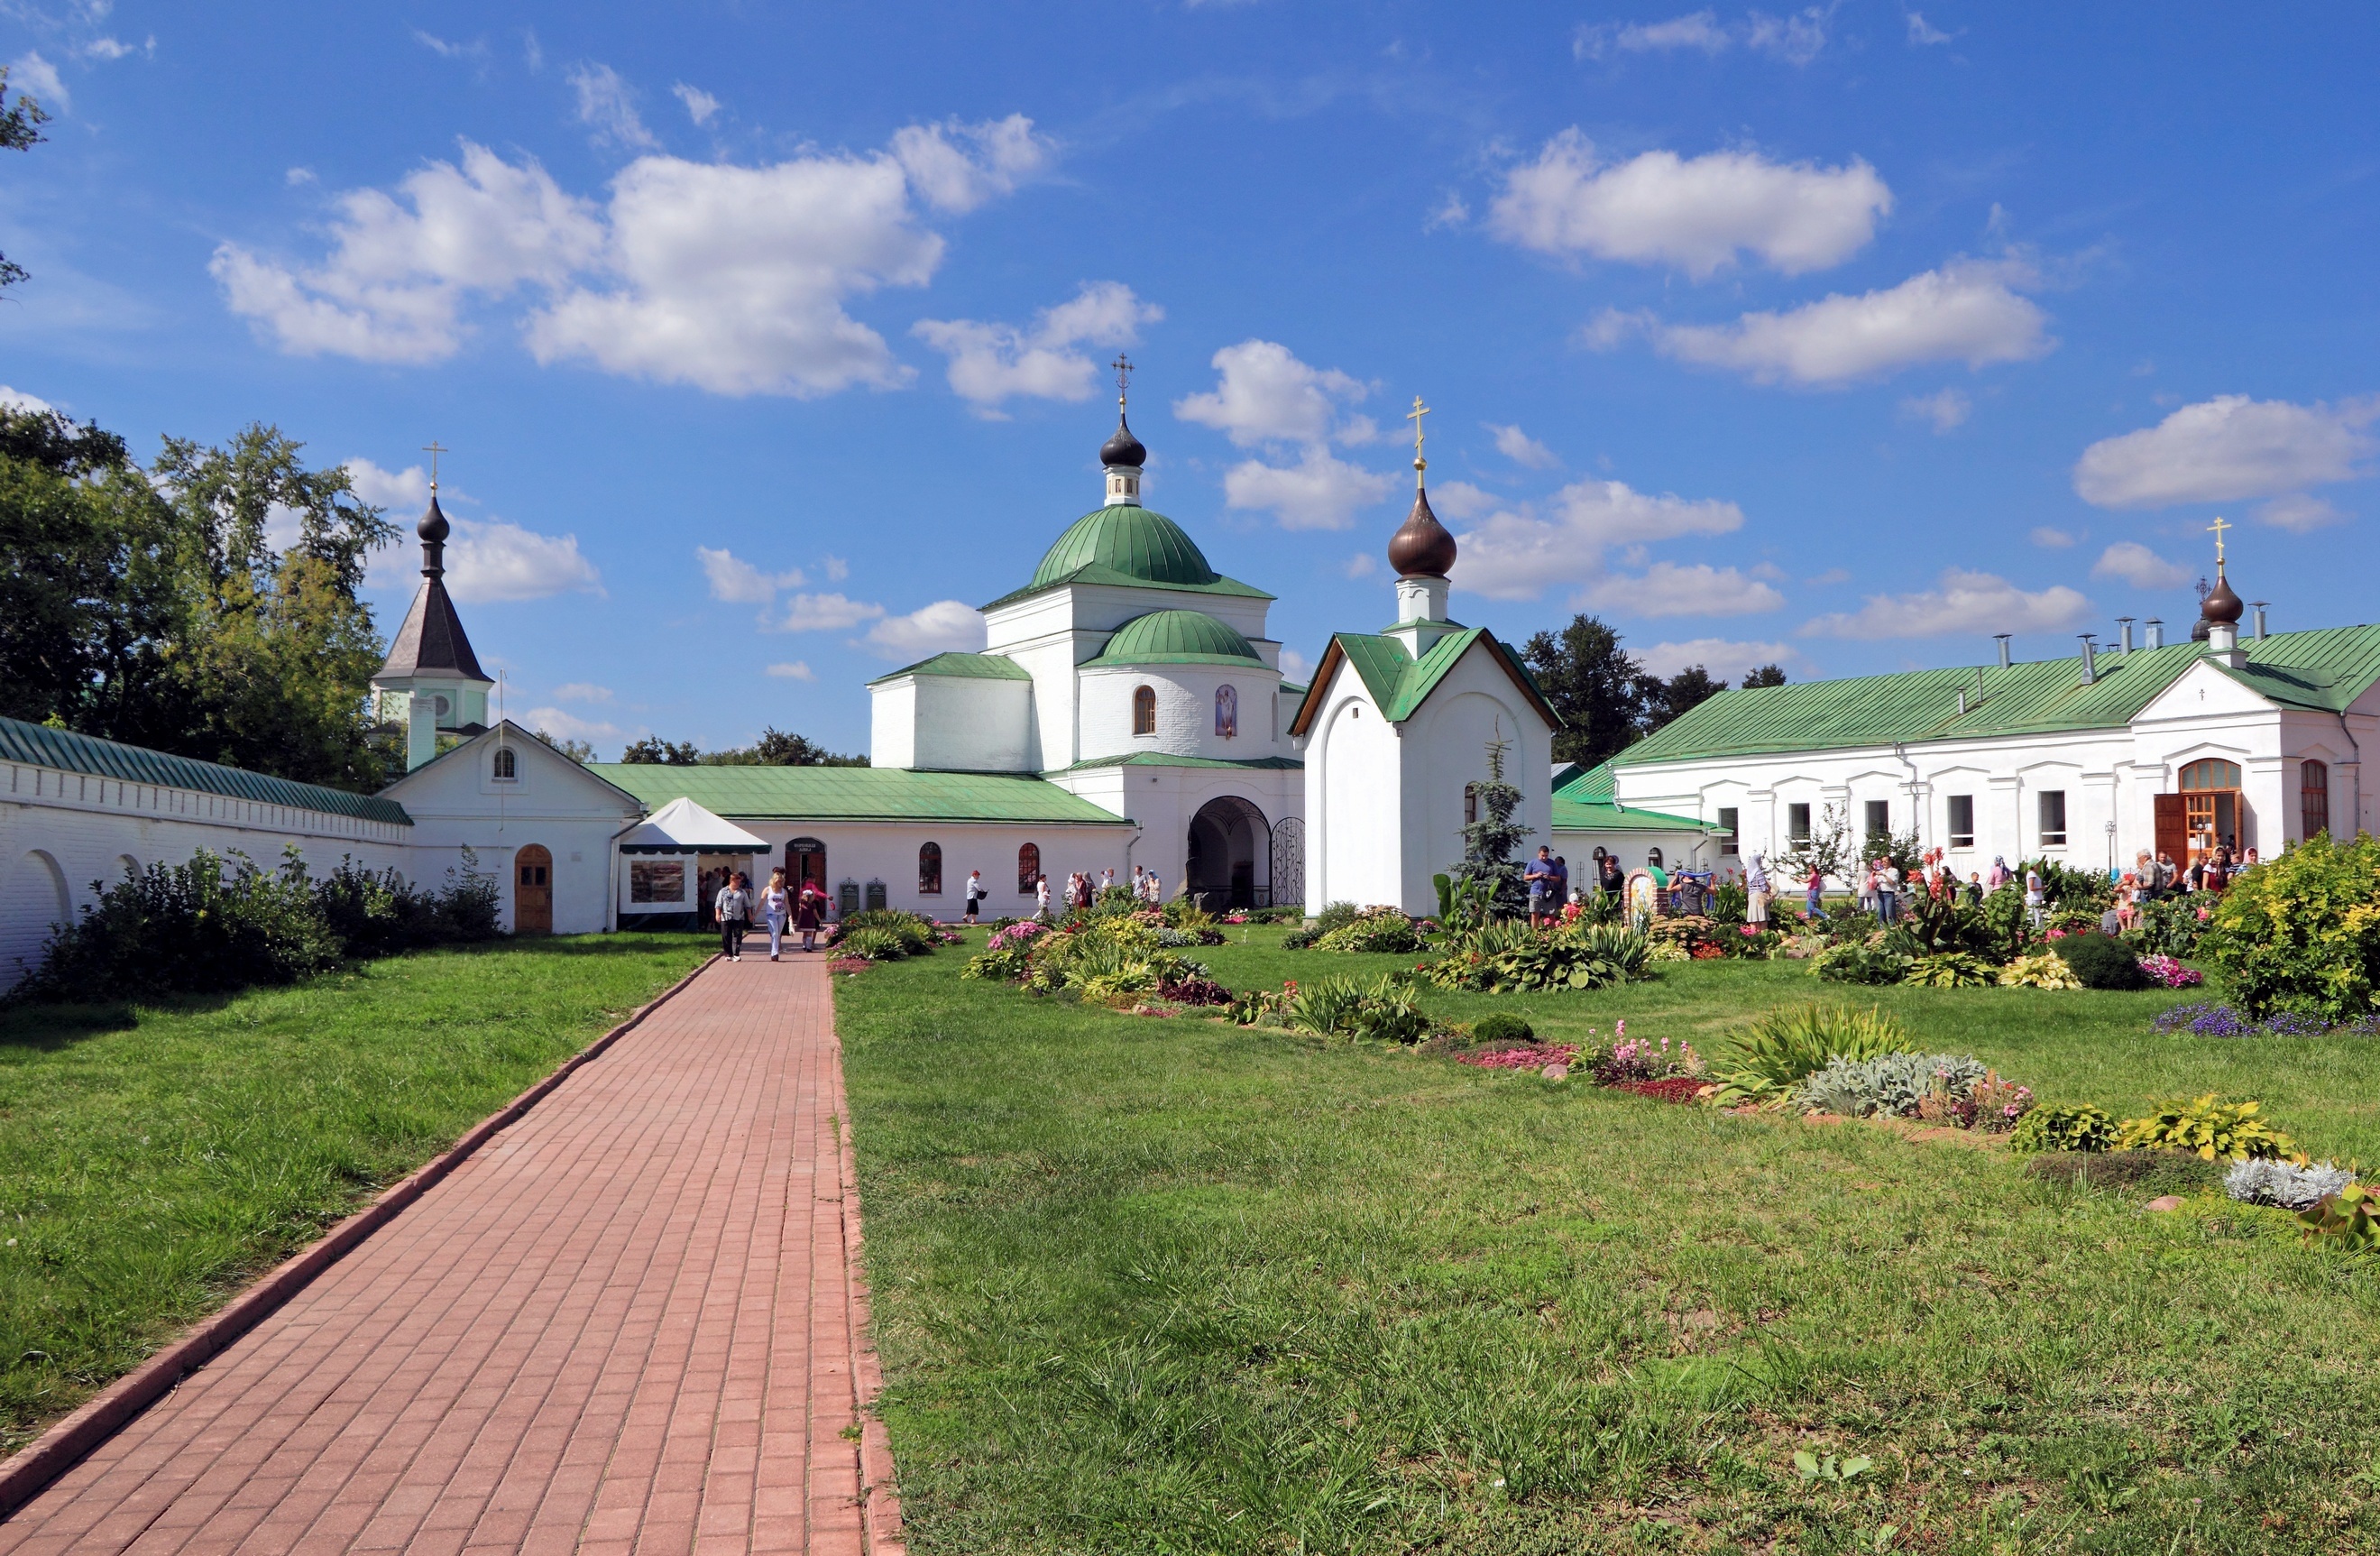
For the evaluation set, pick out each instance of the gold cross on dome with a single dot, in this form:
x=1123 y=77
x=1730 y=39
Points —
x=434 y=448
x=1414 y=415
x=2218 y=527
x=1122 y=366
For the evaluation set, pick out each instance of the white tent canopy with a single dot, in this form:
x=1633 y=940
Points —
x=683 y=827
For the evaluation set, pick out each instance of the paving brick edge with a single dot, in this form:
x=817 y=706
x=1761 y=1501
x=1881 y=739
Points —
x=879 y=1492
x=25 y=1474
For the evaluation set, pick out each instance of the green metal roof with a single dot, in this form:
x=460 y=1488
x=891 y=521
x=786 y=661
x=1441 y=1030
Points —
x=1583 y=802
x=1176 y=637
x=1399 y=685
x=855 y=794
x=1167 y=759
x=1128 y=546
x=2323 y=670
x=980 y=667
x=39 y=746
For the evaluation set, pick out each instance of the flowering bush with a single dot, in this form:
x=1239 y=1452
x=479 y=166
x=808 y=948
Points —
x=2216 y=1020
x=1632 y=1060
x=2165 y=972
x=2302 y=932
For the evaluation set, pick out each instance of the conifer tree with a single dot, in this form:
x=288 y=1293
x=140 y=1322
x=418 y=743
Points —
x=1487 y=842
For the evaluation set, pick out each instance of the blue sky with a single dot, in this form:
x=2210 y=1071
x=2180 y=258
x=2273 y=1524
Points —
x=1846 y=335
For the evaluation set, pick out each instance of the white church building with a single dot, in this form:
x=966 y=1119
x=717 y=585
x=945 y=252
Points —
x=1128 y=708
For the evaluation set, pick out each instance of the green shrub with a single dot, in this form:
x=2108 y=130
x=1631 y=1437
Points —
x=1951 y=969
x=873 y=944
x=2167 y=927
x=1502 y=1027
x=2042 y=969
x=1511 y=959
x=2076 y=1126
x=1341 y=1007
x=1334 y=915
x=916 y=933
x=1374 y=929
x=2210 y=1129
x=2302 y=932
x=2101 y=962
x=1777 y=1053
x=2348 y=1220
x=1856 y=963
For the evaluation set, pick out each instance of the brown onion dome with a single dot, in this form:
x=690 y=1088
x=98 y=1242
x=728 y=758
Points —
x=1420 y=547
x=1122 y=448
x=2220 y=603
x=433 y=525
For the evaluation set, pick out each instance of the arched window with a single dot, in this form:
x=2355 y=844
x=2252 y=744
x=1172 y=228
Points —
x=1227 y=713
x=2313 y=798
x=1144 y=711
x=507 y=765
x=1653 y=857
x=2212 y=772
x=929 y=869
x=1470 y=803
x=1029 y=865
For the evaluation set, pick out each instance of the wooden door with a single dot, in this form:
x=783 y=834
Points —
x=2173 y=827
x=533 y=890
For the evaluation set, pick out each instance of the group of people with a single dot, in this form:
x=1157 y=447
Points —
x=1082 y=888
x=805 y=912
x=1548 y=879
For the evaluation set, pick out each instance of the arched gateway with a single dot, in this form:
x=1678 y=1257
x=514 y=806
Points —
x=1230 y=862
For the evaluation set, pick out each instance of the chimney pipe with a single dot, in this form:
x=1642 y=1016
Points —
x=1962 y=702
x=2126 y=622
x=2002 y=639
x=2155 y=625
x=2090 y=657
x=2260 y=605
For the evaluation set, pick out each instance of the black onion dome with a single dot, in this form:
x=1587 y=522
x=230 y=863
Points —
x=1420 y=547
x=1122 y=448
x=433 y=525
x=2198 y=630
x=2220 y=603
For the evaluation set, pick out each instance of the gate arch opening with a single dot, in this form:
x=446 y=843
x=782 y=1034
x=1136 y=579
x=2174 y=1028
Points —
x=1230 y=855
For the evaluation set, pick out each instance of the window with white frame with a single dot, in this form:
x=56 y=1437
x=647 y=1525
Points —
x=1963 y=820
x=1797 y=823
x=2053 y=818
x=1727 y=829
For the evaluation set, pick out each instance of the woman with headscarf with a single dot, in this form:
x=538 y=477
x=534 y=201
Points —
x=1999 y=873
x=1756 y=891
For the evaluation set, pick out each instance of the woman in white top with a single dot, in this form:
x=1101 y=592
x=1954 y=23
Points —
x=776 y=905
x=1040 y=896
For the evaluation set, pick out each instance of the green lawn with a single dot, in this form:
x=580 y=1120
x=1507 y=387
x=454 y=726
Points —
x=154 y=1158
x=1150 y=1285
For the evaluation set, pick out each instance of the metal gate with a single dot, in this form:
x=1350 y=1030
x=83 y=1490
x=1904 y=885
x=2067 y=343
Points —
x=1288 y=862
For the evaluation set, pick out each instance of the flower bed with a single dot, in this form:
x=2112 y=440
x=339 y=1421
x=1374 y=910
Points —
x=1530 y=1058
x=849 y=965
x=1674 y=1088
x=2205 y=1019
x=2167 y=972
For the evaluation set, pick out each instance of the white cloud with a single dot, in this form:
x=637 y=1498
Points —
x=114 y=49
x=1363 y=565
x=1514 y=554
x=990 y=362
x=608 y=106
x=1265 y=395
x=582 y=691
x=738 y=582
x=403 y=490
x=17 y=399
x=1797 y=38
x=797 y=670
x=298 y=176
x=492 y=559
x=2051 y=537
x=1452 y=212
x=732 y=279
x=1697 y=213
x=1724 y=658
x=1459 y=500
x=1521 y=448
x=2226 y=448
x=835 y=568
x=1320 y=491
x=1296 y=666
x=1668 y=588
x=1946 y=408
x=945 y=627
x=2138 y=565
x=391 y=287
x=827 y=612
x=1964 y=602
x=477 y=49
x=957 y=168
x=1921 y=33
x=564 y=725
x=2299 y=513
x=1963 y=312
x=700 y=105
x=37 y=78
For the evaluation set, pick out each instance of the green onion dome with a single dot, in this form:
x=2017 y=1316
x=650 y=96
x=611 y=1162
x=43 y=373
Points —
x=1128 y=539
x=1178 y=637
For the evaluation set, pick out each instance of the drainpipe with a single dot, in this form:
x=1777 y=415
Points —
x=612 y=874
x=1925 y=822
x=2357 y=816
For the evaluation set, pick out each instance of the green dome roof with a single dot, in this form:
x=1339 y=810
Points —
x=1128 y=539
x=1177 y=637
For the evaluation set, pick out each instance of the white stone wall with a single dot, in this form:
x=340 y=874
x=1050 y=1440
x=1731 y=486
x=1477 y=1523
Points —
x=60 y=832
x=1160 y=802
x=963 y=722
x=1186 y=711
x=1446 y=746
x=892 y=722
x=1354 y=800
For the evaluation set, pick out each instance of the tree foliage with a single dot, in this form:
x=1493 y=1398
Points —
x=774 y=748
x=155 y=607
x=1606 y=699
x=20 y=131
x=1487 y=842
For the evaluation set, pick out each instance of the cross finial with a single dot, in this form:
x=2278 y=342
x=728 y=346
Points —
x=1414 y=415
x=1122 y=365
x=434 y=448
x=2218 y=527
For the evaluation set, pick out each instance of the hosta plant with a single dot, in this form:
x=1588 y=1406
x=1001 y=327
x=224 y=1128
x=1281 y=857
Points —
x=1856 y=963
x=1767 y=1060
x=1383 y=1011
x=873 y=945
x=2211 y=1129
x=2042 y=969
x=2348 y=1220
x=2285 y=1184
x=2075 y=1126
x=1951 y=969
x=1374 y=929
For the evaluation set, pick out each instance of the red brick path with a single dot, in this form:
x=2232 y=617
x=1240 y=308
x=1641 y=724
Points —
x=630 y=1322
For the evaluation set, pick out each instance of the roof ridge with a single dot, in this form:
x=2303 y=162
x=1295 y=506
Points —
x=67 y=750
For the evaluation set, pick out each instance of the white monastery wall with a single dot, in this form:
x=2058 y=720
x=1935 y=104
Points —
x=888 y=851
x=1447 y=751
x=1354 y=839
x=971 y=725
x=59 y=832
x=1186 y=711
x=893 y=723
x=1162 y=801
